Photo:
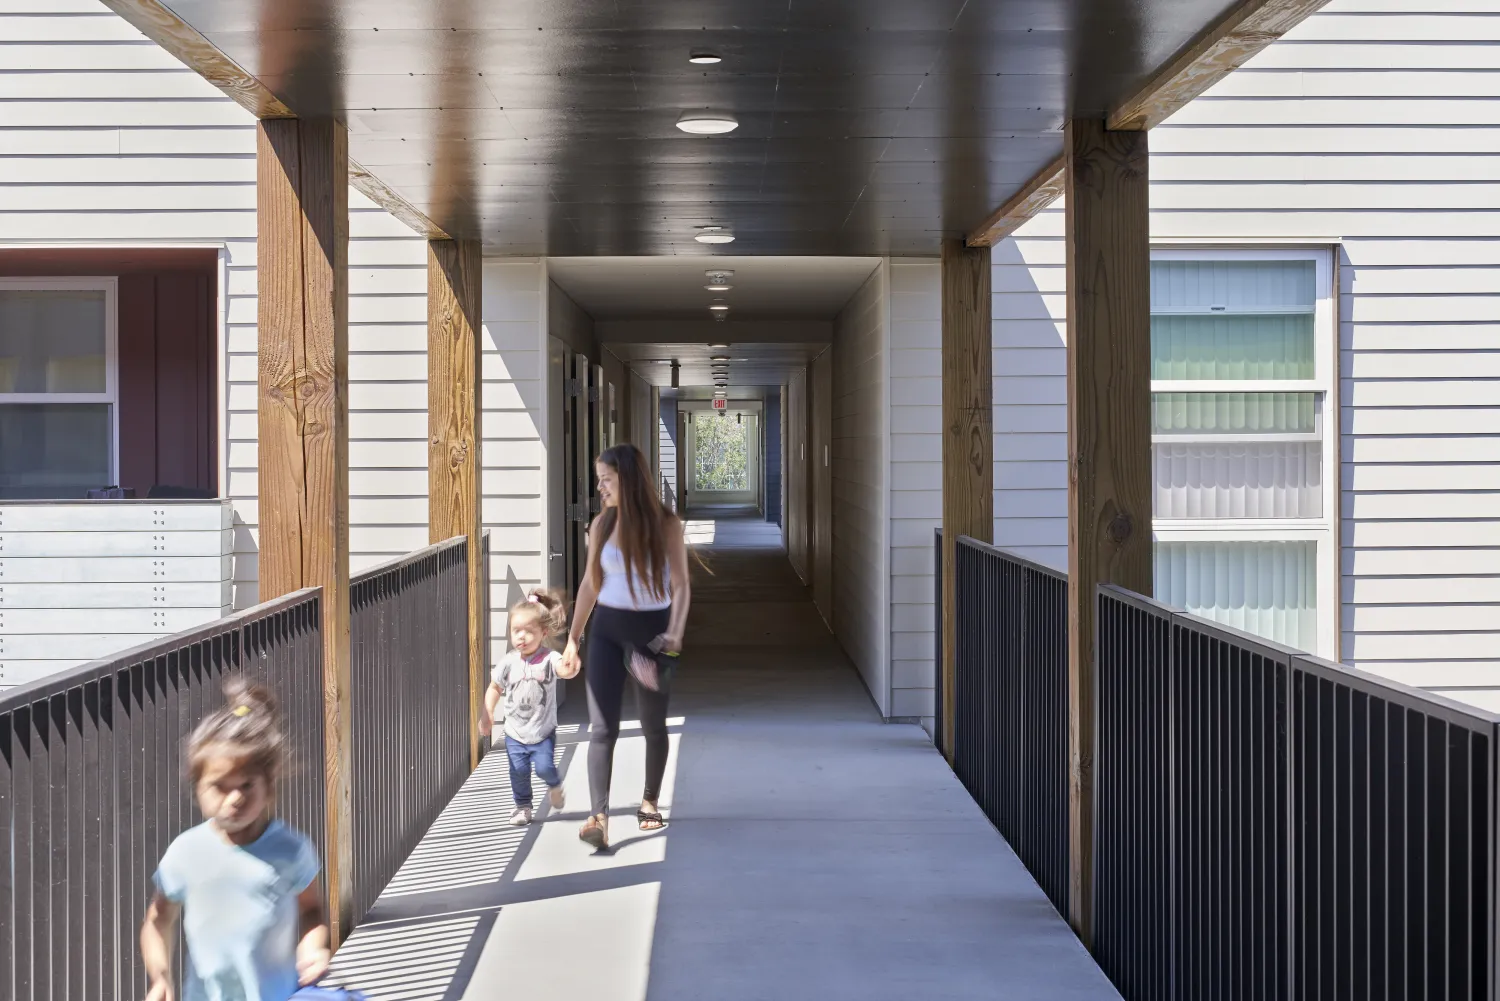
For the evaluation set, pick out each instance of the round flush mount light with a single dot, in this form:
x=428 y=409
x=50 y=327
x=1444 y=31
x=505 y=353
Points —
x=714 y=234
x=719 y=307
x=702 y=57
x=719 y=287
x=707 y=123
x=720 y=359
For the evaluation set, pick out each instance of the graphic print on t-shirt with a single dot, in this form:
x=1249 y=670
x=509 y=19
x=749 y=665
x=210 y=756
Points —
x=530 y=695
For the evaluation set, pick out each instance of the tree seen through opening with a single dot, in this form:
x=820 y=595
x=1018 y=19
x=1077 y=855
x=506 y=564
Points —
x=721 y=459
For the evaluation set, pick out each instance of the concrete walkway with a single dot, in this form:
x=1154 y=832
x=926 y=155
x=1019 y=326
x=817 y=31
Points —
x=813 y=851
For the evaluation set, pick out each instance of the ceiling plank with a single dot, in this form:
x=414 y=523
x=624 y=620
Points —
x=1220 y=50
x=182 y=40
x=1035 y=195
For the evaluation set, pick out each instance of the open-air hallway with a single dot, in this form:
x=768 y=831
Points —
x=814 y=851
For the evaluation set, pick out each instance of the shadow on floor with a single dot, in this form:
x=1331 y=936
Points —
x=814 y=851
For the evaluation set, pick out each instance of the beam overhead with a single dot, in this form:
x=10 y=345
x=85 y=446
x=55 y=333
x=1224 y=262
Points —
x=158 y=23
x=1218 y=51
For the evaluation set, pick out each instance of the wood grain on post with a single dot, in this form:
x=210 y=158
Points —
x=1109 y=433
x=454 y=470
x=968 y=435
x=302 y=219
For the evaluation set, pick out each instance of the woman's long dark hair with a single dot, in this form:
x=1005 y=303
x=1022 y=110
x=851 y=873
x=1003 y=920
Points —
x=641 y=522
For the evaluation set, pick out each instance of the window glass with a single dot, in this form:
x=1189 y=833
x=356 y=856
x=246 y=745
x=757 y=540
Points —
x=1265 y=588
x=52 y=341
x=54 y=450
x=1216 y=320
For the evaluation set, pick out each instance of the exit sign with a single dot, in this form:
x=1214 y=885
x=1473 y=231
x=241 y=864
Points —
x=721 y=404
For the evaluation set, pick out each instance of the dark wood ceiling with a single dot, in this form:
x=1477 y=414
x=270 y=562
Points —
x=867 y=127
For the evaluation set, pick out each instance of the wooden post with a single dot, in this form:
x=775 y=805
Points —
x=454 y=471
x=302 y=220
x=968 y=434
x=1109 y=434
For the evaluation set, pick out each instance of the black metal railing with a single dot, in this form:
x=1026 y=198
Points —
x=1267 y=825
x=409 y=654
x=1010 y=734
x=93 y=788
x=1272 y=825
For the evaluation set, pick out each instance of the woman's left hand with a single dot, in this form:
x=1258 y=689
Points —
x=671 y=642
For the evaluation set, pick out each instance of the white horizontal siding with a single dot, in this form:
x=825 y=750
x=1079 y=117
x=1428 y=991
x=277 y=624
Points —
x=78 y=581
x=916 y=480
x=859 y=477
x=514 y=433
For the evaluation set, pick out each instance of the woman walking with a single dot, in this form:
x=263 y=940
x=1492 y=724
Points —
x=636 y=591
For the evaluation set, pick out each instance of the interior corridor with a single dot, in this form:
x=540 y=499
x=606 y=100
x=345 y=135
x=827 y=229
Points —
x=813 y=851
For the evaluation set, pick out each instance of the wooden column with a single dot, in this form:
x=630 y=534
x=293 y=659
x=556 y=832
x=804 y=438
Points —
x=968 y=433
x=302 y=219
x=1109 y=433
x=454 y=472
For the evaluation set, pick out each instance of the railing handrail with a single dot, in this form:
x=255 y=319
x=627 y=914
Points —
x=405 y=560
x=1469 y=715
x=62 y=681
x=1006 y=554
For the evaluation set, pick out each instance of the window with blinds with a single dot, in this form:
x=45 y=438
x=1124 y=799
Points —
x=1242 y=366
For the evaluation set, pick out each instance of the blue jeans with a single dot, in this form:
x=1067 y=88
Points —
x=522 y=757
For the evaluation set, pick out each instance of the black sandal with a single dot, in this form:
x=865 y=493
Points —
x=644 y=817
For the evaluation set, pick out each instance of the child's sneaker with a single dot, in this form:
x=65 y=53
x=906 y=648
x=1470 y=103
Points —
x=521 y=817
x=557 y=797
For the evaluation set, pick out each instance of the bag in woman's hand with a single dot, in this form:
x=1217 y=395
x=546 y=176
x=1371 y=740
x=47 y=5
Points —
x=651 y=667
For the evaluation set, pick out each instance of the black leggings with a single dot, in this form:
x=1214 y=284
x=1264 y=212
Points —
x=610 y=631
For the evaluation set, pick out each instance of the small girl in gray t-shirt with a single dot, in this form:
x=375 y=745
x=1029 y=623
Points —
x=526 y=681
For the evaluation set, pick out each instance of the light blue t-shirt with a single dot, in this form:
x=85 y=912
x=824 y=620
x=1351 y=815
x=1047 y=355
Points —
x=239 y=910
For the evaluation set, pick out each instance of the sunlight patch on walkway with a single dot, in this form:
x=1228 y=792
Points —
x=407 y=962
x=700 y=533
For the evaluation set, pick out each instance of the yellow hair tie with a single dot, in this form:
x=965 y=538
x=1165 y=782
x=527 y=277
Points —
x=241 y=710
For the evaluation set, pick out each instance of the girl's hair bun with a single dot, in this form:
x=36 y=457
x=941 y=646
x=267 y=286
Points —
x=247 y=727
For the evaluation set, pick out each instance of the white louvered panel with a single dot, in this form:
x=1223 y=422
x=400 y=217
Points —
x=1238 y=480
x=1265 y=588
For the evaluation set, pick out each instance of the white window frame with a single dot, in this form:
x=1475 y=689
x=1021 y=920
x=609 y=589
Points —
x=1321 y=530
x=110 y=286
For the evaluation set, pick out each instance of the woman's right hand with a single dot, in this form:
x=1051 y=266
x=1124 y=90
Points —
x=161 y=990
x=571 y=663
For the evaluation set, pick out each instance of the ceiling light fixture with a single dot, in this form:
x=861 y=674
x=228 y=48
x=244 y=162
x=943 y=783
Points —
x=718 y=274
x=707 y=123
x=720 y=358
x=718 y=347
x=700 y=57
x=714 y=234
x=719 y=307
x=719 y=287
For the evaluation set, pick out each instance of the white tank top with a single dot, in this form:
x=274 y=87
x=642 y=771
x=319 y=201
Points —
x=615 y=592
